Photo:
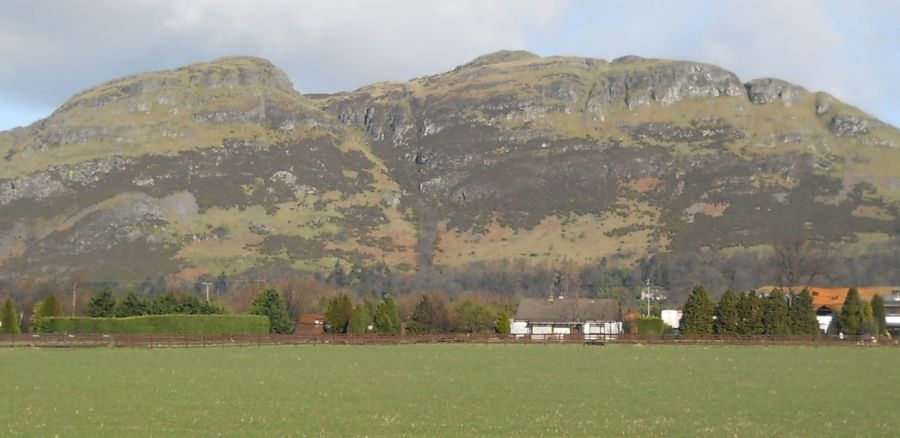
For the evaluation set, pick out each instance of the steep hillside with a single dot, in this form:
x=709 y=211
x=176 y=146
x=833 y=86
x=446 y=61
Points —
x=223 y=166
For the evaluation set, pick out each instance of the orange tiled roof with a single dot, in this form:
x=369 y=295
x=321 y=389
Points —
x=833 y=297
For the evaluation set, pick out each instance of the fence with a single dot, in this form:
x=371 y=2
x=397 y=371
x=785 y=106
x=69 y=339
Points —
x=173 y=341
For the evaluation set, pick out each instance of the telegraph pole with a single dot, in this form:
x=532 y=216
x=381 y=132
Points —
x=206 y=283
x=74 y=293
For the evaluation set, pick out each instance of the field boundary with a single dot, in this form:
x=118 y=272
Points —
x=175 y=341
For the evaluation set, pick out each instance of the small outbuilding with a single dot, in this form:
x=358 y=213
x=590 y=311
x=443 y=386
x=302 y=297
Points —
x=581 y=318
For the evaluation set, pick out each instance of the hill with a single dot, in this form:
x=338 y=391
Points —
x=224 y=167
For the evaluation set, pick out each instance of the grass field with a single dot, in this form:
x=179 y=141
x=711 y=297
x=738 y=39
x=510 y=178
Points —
x=451 y=390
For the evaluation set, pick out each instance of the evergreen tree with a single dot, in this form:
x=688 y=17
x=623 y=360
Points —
x=190 y=304
x=271 y=303
x=165 y=305
x=867 y=327
x=851 y=317
x=48 y=307
x=387 y=320
x=776 y=314
x=337 y=315
x=803 y=316
x=102 y=304
x=359 y=320
x=503 y=324
x=878 y=315
x=728 y=317
x=429 y=316
x=9 y=318
x=697 y=319
x=131 y=305
x=750 y=309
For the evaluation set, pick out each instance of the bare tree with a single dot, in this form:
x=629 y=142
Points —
x=798 y=261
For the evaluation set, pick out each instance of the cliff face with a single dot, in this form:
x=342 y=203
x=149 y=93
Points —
x=223 y=166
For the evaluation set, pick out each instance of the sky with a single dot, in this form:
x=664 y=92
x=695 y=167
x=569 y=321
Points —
x=51 y=50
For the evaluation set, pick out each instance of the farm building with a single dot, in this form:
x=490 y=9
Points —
x=586 y=318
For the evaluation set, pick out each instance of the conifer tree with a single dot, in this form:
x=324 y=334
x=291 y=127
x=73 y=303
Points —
x=271 y=303
x=359 y=320
x=337 y=316
x=878 y=315
x=851 y=317
x=867 y=327
x=697 y=319
x=776 y=314
x=9 y=318
x=728 y=318
x=48 y=307
x=102 y=304
x=387 y=320
x=131 y=305
x=750 y=310
x=503 y=324
x=803 y=316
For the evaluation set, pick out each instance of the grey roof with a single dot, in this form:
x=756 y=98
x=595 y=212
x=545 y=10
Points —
x=568 y=310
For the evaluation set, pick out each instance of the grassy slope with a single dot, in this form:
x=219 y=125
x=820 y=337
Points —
x=441 y=390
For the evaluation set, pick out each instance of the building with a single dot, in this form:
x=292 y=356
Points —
x=585 y=318
x=671 y=317
x=310 y=324
x=827 y=301
x=892 y=312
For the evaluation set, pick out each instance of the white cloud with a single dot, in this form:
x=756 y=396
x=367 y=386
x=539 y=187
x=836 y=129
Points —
x=53 y=49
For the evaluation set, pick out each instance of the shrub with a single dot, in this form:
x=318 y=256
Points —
x=270 y=303
x=168 y=324
x=650 y=327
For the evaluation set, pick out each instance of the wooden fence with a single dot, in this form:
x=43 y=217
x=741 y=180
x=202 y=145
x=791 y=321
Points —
x=174 y=341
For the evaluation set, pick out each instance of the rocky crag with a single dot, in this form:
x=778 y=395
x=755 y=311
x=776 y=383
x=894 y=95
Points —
x=223 y=166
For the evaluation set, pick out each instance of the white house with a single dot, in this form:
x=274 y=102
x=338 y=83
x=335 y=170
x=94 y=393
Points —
x=586 y=318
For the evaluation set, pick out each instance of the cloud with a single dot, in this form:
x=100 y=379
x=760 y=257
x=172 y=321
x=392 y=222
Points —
x=54 y=49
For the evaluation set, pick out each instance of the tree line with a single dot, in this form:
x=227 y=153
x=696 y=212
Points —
x=777 y=313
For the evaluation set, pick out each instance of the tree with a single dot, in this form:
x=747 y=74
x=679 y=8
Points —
x=776 y=314
x=102 y=304
x=131 y=305
x=48 y=307
x=429 y=316
x=9 y=318
x=503 y=324
x=359 y=320
x=338 y=313
x=851 y=317
x=798 y=261
x=270 y=303
x=165 y=305
x=878 y=315
x=387 y=320
x=472 y=317
x=728 y=317
x=750 y=309
x=697 y=319
x=867 y=327
x=803 y=316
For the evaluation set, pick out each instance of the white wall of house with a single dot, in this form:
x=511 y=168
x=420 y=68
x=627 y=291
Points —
x=824 y=322
x=671 y=318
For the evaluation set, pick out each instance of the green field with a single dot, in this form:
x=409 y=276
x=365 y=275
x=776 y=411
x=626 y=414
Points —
x=451 y=390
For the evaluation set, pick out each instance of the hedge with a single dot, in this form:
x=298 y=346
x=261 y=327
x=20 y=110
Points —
x=650 y=328
x=155 y=324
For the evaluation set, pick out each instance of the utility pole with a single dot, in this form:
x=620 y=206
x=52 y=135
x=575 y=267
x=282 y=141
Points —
x=206 y=283
x=74 y=293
